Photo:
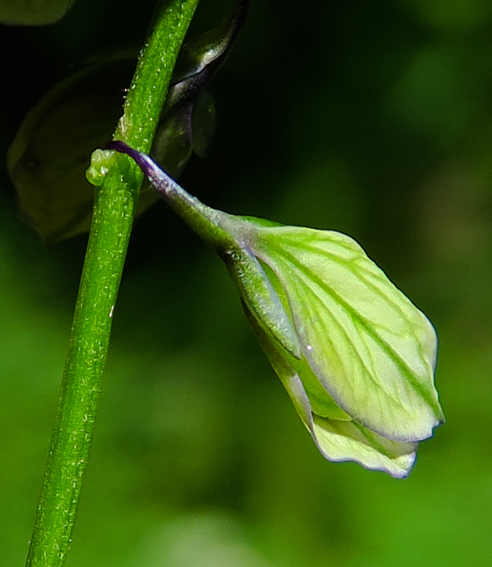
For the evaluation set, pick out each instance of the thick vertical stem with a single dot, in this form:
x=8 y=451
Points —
x=91 y=328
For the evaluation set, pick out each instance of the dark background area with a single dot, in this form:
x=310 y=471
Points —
x=373 y=118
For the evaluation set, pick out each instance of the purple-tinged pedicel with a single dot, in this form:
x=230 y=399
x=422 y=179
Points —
x=120 y=146
x=146 y=163
x=158 y=178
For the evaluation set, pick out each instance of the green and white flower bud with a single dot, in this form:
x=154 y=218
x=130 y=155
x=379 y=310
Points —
x=355 y=355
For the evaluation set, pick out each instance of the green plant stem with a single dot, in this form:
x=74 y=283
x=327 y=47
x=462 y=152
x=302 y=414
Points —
x=114 y=208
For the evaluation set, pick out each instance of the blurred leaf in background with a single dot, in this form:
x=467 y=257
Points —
x=49 y=155
x=377 y=122
x=31 y=12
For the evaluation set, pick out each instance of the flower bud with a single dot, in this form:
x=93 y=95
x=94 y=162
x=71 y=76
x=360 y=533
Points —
x=355 y=355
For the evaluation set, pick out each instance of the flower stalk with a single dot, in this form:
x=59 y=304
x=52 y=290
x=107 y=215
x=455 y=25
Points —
x=114 y=208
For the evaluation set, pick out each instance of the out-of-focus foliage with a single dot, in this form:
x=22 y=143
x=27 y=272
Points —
x=372 y=118
x=50 y=153
x=33 y=12
x=48 y=156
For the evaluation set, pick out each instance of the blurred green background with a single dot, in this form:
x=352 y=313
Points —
x=369 y=117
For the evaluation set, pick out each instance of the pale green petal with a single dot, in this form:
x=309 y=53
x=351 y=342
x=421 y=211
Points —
x=349 y=441
x=370 y=347
x=261 y=299
x=337 y=437
x=286 y=366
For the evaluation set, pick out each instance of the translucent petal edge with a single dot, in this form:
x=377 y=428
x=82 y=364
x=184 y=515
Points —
x=341 y=441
